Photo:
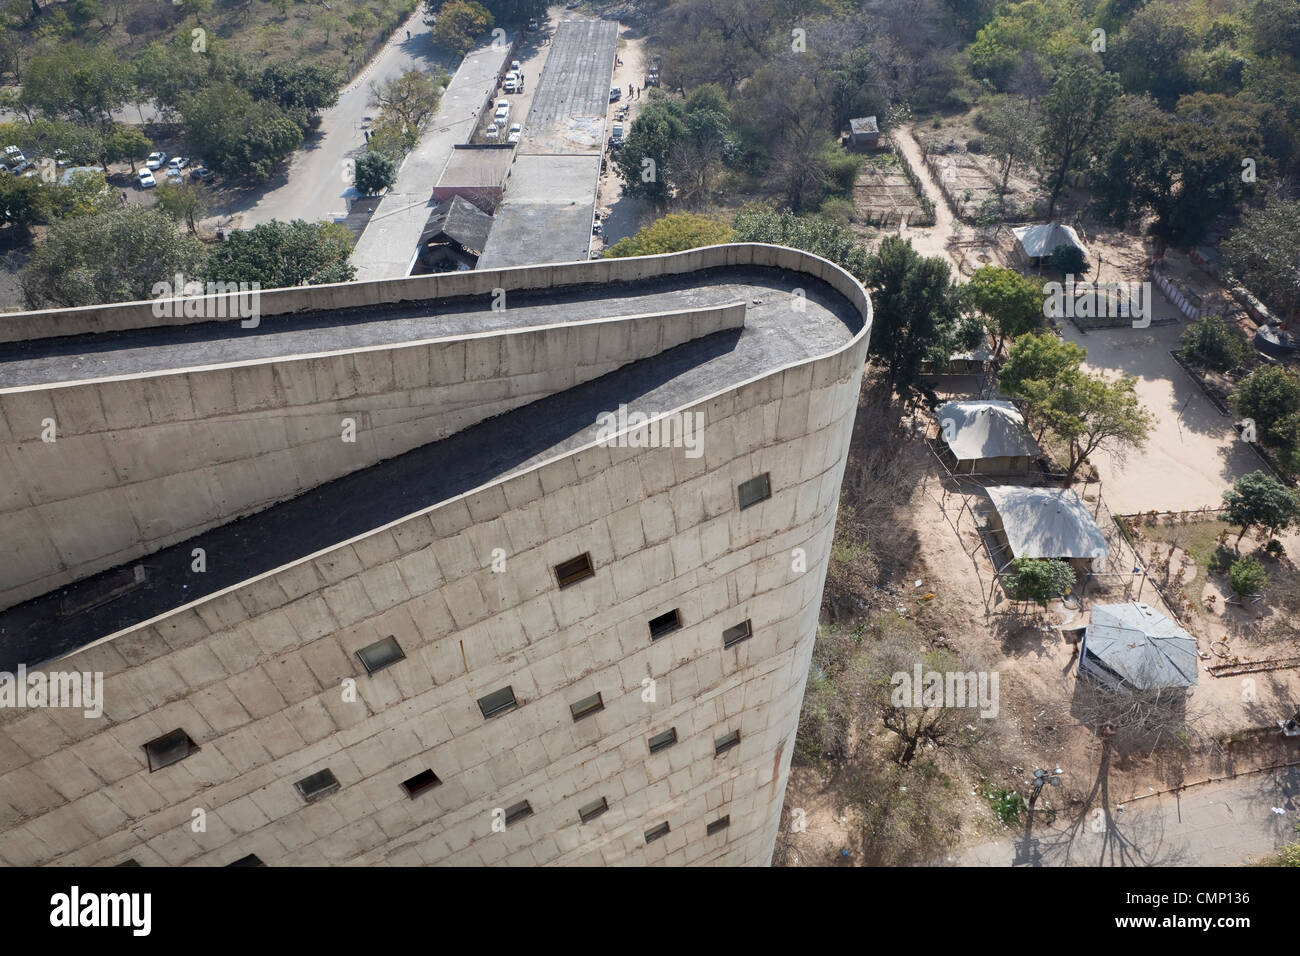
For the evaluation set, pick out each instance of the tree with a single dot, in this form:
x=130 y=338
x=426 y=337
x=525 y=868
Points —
x=1185 y=171
x=459 y=25
x=85 y=83
x=363 y=21
x=1260 y=500
x=85 y=194
x=673 y=233
x=1086 y=412
x=642 y=163
x=1011 y=303
x=187 y=203
x=237 y=134
x=1151 y=52
x=1031 y=579
x=1247 y=576
x=1075 y=115
x=1268 y=396
x=279 y=255
x=914 y=304
x=1211 y=343
x=196 y=8
x=20 y=203
x=306 y=87
x=375 y=172
x=816 y=234
x=126 y=143
x=1010 y=124
x=1257 y=254
x=406 y=105
x=113 y=256
x=1068 y=259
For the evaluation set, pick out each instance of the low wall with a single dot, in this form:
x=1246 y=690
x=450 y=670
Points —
x=144 y=461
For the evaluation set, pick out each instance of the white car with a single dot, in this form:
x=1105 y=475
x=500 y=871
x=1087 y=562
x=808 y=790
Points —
x=515 y=67
x=156 y=160
x=502 y=112
x=177 y=163
x=146 y=179
x=516 y=131
x=492 y=132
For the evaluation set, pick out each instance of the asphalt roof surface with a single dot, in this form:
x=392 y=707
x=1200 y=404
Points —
x=59 y=622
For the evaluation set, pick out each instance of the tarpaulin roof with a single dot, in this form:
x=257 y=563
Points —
x=1047 y=523
x=1141 y=646
x=985 y=429
x=1039 y=241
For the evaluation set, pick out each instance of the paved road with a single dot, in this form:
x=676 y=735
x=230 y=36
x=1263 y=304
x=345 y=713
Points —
x=1216 y=824
x=316 y=184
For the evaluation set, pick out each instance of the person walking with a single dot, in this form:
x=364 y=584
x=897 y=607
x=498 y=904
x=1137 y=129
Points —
x=408 y=34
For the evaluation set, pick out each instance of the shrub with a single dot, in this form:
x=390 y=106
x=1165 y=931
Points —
x=1068 y=259
x=975 y=144
x=1212 y=343
x=1247 y=576
x=1033 y=580
x=1007 y=805
x=375 y=171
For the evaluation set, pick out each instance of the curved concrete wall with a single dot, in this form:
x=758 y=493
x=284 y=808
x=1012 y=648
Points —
x=145 y=461
x=253 y=674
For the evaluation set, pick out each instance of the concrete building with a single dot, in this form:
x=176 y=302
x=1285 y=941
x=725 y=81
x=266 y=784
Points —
x=454 y=238
x=864 y=133
x=477 y=174
x=395 y=573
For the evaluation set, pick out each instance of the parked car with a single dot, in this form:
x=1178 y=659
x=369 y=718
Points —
x=513 y=84
x=21 y=167
x=200 y=172
x=532 y=25
x=615 y=94
x=502 y=112
x=616 y=137
x=146 y=179
x=178 y=163
x=14 y=155
x=516 y=132
x=492 y=132
x=155 y=160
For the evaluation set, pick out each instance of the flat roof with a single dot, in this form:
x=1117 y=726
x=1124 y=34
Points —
x=1047 y=523
x=548 y=212
x=476 y=166
x=41 y=629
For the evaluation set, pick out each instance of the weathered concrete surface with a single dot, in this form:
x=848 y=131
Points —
x=253 y=673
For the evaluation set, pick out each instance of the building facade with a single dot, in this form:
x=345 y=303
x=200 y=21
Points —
x=522 y=630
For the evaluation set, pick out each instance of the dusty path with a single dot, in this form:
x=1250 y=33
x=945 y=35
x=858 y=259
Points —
x=930 y=240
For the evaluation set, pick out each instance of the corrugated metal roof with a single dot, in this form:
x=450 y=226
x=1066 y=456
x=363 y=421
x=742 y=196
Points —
x=863 y=125
x=1141 y=646
x=1041 y=240
x=1047 y=523
x=985 y=429
x=461 y=220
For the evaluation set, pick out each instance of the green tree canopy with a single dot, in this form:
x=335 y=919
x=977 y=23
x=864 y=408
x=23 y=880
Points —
x=375 y=172
x=237 y=134
x=1032 y=579
x=460 y=23
x=280 y=255
x=1262 y=254
x=1259 y=500
x=673 y=233
x=1211 y=343
x=1010 y=303
x=112 y=256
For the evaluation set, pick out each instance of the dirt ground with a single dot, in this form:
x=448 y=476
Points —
x=882 y=194
x=620 y=215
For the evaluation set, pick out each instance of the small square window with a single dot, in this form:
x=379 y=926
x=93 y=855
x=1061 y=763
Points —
x=250 y=860
x=423 y=781
x=586 y=707
x=755 y=490
x=380 y=654
x=571 y=572
x=734 y=635
x=665 y=624
x=666 y=739
x=519 y=811
x=593 y=810
x=498 y=702
x=655 y=833
x=169 y=749
x=717 y=826
x=318 y=785
x=723 y=744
